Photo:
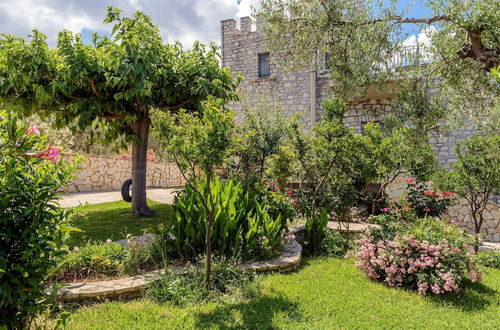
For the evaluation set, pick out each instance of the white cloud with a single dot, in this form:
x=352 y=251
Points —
x=184 y=20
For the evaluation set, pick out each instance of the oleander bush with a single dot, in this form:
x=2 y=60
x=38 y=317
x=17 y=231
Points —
x=33 y=228
x=427 y=255
x=242 y=227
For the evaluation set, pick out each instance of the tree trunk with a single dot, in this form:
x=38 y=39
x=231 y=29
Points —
x=139 y=154
x=208 y=251
x=208 y=232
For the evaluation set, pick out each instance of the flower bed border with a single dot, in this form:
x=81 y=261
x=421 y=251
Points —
x=133 y=286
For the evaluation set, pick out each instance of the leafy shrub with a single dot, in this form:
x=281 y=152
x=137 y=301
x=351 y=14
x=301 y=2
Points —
x=32 y=227
x=92 y=261
x=428 y=255
x=381 y=219
x=334 y=244
x=315 y=232
x=183 y=289
x=278 y=200
x=242 y=226
x=488 y=259
x=427 y=202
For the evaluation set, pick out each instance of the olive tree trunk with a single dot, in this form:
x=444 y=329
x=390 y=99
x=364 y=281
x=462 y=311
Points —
x=139 y=155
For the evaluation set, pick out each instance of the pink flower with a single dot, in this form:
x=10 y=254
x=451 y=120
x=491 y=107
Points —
x=51 y=153
x=409 y=180
x=108 y=241
x=385 y=209
x=33 y=130
x=428 y=210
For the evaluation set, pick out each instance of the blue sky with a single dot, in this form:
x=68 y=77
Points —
x=184 y=20
x=417 y=10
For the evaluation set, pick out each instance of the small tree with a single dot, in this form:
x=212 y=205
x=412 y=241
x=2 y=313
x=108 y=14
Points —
x=199 y=143
x=259 y=138
x=394 y=152
x=112 y=82
x=475 y=175
x=334 y=162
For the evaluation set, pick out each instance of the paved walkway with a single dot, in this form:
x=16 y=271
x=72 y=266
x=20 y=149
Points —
x=490 y=247
x=74 y=199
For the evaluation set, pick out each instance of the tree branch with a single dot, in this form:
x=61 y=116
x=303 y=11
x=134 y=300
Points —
x=94 y=89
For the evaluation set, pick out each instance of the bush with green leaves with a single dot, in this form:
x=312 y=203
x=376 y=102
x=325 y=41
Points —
x=426 y=201
x=242 y=227
x=428 y=255
x=488 y=259
x=33 y=227
x=278 y=200
x=334 y=244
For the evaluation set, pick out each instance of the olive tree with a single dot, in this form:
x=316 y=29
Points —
x=113 y=82
x=364 y=42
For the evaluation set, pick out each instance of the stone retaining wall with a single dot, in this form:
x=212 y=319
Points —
x=99 y=173
x=459 y=213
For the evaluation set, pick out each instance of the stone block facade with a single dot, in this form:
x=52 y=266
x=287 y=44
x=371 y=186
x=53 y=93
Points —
x=99 y=173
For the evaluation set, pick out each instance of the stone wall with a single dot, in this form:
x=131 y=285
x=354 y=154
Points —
x=288 y=90
x=99 y=173
x=459 y=213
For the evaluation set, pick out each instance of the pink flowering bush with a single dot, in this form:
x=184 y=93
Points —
x=33 y=228
x=427 y=255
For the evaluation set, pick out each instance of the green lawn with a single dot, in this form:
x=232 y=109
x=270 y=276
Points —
x=325 y=293
x=113 y=220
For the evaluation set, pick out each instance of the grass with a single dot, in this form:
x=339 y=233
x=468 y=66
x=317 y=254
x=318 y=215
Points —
x=325 y=293
x=99 y=222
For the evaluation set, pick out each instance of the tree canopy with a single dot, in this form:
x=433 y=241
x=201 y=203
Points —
x=115 y=81
x=365 y=41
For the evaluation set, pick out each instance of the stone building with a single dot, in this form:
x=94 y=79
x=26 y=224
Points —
x=266 y=84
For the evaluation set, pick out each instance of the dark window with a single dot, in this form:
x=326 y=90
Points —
x=264 y=69
x=327 y=60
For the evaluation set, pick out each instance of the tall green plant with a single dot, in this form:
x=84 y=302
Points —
x=199 y=142
x=242 y=227
x=33 y=227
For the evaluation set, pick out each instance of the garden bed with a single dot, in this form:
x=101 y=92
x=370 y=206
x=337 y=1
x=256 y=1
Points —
x=132 y=286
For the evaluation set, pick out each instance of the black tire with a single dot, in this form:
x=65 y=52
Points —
x=126 y=191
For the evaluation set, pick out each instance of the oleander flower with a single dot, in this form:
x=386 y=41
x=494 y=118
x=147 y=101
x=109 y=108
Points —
x=33 y=130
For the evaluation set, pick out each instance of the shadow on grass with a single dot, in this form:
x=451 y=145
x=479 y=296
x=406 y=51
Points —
x=254 y=314
x=474 y=297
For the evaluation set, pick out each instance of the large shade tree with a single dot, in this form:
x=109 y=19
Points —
x=365 y=40
x=114 y=82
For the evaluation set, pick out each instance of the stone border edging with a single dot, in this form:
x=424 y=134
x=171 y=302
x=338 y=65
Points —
x=132 y=286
